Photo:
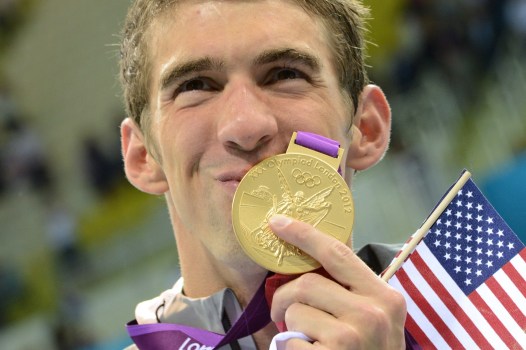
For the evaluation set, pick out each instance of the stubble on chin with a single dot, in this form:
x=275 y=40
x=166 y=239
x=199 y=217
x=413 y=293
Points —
x=223 y=244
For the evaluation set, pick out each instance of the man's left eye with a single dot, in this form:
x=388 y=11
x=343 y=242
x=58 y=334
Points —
x=286 y=74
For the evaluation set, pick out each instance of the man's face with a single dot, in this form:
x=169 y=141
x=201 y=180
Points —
x=231 y=81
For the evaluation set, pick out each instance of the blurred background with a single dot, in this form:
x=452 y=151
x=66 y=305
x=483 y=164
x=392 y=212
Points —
x=79 y=247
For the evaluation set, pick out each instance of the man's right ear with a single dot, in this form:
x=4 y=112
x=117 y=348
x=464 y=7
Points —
x=141 y=169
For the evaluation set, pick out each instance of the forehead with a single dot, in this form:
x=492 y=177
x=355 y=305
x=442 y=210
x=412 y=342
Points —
x=194 y=28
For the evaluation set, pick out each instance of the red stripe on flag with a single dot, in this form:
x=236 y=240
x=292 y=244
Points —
x=418 y=334
x=428 y=310
x=516 y=277
x=450 y=302
x=493 y=320
x=506 y=301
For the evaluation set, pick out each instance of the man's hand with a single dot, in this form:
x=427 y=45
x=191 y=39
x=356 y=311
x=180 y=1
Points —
x=359 y=311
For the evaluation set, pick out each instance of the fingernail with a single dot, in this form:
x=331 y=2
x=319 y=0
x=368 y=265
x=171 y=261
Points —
x=279 y=221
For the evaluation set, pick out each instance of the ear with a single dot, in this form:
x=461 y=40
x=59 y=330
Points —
x=141 y=169
x=371 y=129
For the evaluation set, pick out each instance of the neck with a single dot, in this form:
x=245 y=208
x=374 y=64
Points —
x=208 y=271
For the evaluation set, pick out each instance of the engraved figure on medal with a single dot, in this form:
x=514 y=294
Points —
x=311 y=210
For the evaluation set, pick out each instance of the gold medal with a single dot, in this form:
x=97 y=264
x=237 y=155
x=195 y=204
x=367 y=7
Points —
x=303 y=184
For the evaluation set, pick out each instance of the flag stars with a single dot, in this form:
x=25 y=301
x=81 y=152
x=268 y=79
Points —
x=489 y=231
x=479 y=218
x=489 y=220
x=468 y=281
x=469 y=216
x=457 y=269
x=500 y=255
x=469 y=227
x=468 y=250
x=447 y=245
x=468 y=260
x=478 y=262
x=479 y=240
x=458 y=247
x=458 y=236
x=459 y=203
x=489 y=264
x=447 y=256
x=467 y=271
x=489 y=252
x=437 y=243
x=500 y=233
x=500 y=244
x=469 y=206
x=448 y=223
x=449 y=212
x=469 y=238
x=458 y=258
x=479 y=229
x=458 y=225
x=480 y=207
x=489 y=242
x=448 y=234
x=478 y=273
x=478 y=251
x=511 y=246
x=469 y=194
x=458 y=214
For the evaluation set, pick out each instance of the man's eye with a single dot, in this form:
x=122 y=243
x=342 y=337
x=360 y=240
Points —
x=287 y=74
x=193 y=85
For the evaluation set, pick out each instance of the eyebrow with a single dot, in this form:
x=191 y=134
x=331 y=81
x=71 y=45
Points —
x=288 y=54
x=177 y=71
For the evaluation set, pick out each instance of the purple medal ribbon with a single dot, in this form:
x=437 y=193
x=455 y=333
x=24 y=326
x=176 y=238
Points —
x=167 y=336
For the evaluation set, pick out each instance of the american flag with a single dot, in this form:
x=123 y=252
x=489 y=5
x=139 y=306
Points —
x=465 y=283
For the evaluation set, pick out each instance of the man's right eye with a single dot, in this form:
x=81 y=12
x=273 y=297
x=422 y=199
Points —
x=193 y=85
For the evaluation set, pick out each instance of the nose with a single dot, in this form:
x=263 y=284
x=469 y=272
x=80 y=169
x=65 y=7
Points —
x=246 y=121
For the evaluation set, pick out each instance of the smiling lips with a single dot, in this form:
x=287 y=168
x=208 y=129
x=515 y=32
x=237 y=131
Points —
x=231 y=179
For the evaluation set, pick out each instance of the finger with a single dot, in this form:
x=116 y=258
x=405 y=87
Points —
x=337 y=258
x=326 y=331
x=313 y=290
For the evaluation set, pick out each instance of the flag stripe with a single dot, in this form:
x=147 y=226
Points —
x=520 y=264
x=452 y=305
x=427 y=309
x=496 y=287
x=501 y=312
x=485 y=310
x=418 y=335
x=458 y=298
x=515 y=283
x=424 y=332
x=511 y=270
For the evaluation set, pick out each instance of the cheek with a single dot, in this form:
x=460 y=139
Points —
x=318 y=116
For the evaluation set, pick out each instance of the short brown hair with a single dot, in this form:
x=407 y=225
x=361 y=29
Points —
x=344 y=20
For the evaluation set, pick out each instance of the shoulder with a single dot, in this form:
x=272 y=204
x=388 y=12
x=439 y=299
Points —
x=150 y=311
x=377 y=255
